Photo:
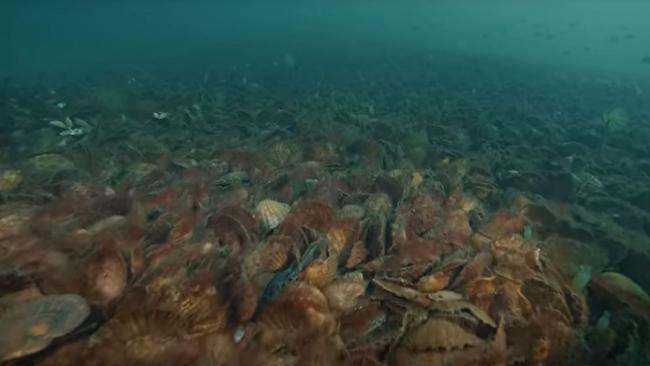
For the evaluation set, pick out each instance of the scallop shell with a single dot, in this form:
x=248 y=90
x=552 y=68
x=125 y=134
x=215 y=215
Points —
x=342 y=294
x=358 y=254
x=340 y=235
x=321 y=271
x=300 y=307
x=434 y=282
x=105 y=277
x=275 y=253
x=271 y=213
x=30 y=326
x=144 y=337
x=439 y=335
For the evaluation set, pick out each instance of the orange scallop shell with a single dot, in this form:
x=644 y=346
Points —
x=321 y=271
x=358 y=254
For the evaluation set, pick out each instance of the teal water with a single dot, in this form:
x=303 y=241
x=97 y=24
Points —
x=78 y=38
x=344 y=182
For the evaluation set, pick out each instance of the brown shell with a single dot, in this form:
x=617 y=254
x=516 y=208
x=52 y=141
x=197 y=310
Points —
x=321 y=152
x=462 y=309
x=341 y=234
x=275 y=253
x=510 y=301
x=299 y=309
x=503 y=224
x=196 y=305
x=343 y=294
x=423 y=214
x=474 y=268
x=221 y=350
x=14 y=220
x=439 y=335
x=434 y=282
x=183 y=228
x=403 y=292
x=245 y=298
x=105 y=277
x=321 y=271
x=144 y=337
x=30 y=326
x=362 y=320
x=481 y=291
x=358 y=254
x=312 y=214
x=456 y=229
x=233 y=226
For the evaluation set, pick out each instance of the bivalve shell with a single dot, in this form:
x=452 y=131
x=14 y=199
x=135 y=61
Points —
x=30 y=326
x=271 y=213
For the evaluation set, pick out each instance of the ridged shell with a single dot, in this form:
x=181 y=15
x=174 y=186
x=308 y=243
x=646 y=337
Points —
x=321 y=271
x=439 y=335
x=358 y=254
x=275 y=253
x=105 y=277
x=30 y=326
x=340 y=234
x=271 y=213
x=342 y=294
x=144 y=337
x=300 y=307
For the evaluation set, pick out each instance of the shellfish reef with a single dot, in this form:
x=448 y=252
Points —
x=155 y=222
x=456 y=212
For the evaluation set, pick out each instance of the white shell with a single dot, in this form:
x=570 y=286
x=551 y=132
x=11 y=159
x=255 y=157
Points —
x=271 y=213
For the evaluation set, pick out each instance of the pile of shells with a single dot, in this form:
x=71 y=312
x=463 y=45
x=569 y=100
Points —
x=303 y=237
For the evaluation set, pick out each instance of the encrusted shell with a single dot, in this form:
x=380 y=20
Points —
x=271 y=213
x=30 y=326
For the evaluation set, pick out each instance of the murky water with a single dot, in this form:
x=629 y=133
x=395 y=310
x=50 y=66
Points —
x=324 y=183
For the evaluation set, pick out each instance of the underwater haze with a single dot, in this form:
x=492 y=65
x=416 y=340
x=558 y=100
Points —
x=325 y=182
x=75 y=38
